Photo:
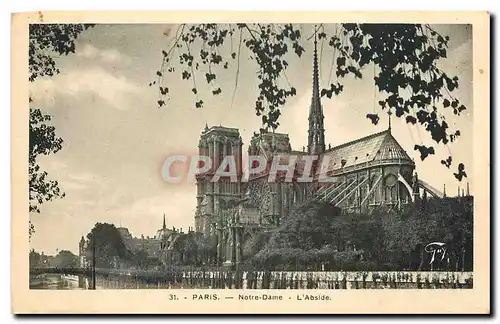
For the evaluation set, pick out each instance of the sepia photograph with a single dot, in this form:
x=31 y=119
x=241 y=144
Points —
x=258 y=157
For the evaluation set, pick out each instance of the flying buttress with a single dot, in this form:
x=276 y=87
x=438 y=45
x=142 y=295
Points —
x=430 y=190
x=407 y=185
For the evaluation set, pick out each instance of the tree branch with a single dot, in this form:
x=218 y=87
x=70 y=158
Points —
x=237 y=70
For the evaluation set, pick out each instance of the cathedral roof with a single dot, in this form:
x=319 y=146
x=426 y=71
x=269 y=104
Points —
x=163 y=232
x=363 y=152
x=376 y=147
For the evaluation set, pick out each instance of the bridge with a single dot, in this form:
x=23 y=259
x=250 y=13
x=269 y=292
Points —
x=89 y=278
x=88 y=272
x=63 y=271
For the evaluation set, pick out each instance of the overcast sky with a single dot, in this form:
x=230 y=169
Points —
x=116 y=137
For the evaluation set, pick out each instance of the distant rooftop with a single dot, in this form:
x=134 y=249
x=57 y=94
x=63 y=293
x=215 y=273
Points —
x=378 y=146
x=231 y=130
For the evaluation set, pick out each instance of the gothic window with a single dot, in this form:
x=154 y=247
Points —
x=390 y=180
x=352 y=200
x=391 y=188
x=285 y=197
x=392 y=194
x=362 y=193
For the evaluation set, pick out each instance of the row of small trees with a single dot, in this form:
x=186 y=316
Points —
x=317 y=236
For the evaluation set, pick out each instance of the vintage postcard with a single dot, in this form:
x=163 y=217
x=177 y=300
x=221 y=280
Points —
x=241 y=163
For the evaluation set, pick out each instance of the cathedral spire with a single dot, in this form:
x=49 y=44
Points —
x=389 y=113
x=164 y=223
x=316 y=138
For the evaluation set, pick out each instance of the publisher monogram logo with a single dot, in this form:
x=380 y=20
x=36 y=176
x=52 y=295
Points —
x=437 y=251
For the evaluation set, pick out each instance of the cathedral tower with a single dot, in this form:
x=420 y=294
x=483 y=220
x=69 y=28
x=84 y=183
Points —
x=316 y=138
x=217 y=143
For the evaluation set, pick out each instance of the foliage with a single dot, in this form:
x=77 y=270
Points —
x=405 y=57
x=194 y=249
x=111 y=251
x=45 y=41
x=108 y=244
x=316 y=234
x=142 y=260
x=255 y=243
x=308 y=228
x=37 y=260
x=34 y=259
x=43 y=141
x=65 y=259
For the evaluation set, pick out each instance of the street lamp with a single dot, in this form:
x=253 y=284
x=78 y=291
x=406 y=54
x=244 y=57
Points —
x=236 y=237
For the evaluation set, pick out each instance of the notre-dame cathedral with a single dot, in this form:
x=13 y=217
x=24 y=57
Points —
x=373 y=171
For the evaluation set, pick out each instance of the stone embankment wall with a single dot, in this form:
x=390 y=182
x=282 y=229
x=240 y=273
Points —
x=289 y=280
